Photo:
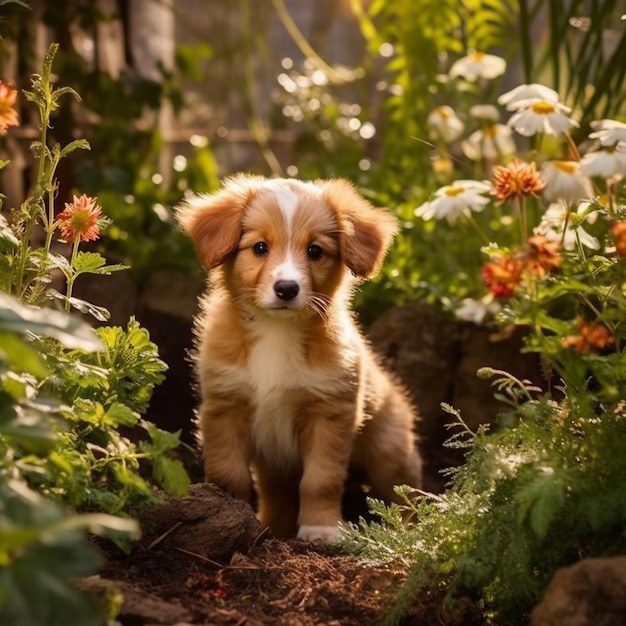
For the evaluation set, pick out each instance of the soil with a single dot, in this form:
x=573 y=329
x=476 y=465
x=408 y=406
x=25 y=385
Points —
x=204 y=560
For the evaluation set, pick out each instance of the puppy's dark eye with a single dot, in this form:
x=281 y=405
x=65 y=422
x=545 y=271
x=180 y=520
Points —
x=314 y=252
x=260 y=248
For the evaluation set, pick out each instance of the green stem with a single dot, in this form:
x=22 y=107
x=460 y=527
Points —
x=474 y=223
x=34 y=201
x=572 y=146
x=72 y=277
x=565 y=224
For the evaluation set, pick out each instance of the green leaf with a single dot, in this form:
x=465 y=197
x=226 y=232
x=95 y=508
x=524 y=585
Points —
x=162 y=440
x=72 y=333
x=8 y=240
x=88 y=262
x=541 y=499
x=78 y=144
x=171 y=475
x=120 y=415
x=28 y=426
x=20 y=356
x=99 y=312
x=94 y=263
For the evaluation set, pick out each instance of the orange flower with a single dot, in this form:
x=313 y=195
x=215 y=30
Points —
x=591 y=337
x=8 y=99
x=502 y=275
x=543 y=255
x=79 y=220
x=618 y=230
x=515 y=180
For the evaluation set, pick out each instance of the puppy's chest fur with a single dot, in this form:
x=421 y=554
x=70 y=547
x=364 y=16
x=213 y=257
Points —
x=282 y=383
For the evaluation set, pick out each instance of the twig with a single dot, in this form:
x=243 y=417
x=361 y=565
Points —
x=160 y=538
x=216 y=563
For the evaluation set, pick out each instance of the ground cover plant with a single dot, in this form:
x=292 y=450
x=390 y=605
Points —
x=65 y=393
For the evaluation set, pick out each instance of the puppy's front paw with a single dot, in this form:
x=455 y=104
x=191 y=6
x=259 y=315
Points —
x=328 y=534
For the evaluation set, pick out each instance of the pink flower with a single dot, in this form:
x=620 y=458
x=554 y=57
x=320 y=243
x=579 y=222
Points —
x=8 y=99
x=79 y=220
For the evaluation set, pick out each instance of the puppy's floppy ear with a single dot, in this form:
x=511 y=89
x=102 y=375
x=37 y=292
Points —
x=213 y=222
x=366 y=232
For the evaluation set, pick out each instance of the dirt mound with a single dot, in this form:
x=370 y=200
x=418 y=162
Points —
x=203 y=560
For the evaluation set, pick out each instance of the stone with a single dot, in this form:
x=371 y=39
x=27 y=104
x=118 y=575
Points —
x=591 y=592
x=436 y=357
x=207 y=522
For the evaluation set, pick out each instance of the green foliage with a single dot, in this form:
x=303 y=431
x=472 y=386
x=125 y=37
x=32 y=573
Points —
x=66 y=394
x=544 y=489
x=528 y=500
x=42 y=544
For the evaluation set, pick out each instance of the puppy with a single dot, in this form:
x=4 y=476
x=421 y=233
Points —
x=291 y=392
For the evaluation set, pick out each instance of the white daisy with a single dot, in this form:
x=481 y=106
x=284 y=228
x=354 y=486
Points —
x=478 y=65
x=565 y=182
x=605 y=163
x=490 y=143
x=485 y=113
x=443 y=123
x=455 y=200
x=553 y=222
x=541 y=116
x=609 y=132
x=524 y=92
x=476 y=311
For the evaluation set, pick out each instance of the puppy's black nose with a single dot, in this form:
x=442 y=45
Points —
x=286 y=289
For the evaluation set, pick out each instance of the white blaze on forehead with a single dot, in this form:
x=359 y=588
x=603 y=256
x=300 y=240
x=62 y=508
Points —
x=288 y=203
x=287 y=270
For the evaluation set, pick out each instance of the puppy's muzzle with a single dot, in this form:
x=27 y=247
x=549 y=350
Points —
x=286 y=289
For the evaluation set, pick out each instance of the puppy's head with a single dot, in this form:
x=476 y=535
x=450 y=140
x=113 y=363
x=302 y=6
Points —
x=287 y=246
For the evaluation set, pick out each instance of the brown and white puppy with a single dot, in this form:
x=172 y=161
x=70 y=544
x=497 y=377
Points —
x=291 y=392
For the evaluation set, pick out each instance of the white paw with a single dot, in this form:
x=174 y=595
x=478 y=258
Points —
x=328 y=534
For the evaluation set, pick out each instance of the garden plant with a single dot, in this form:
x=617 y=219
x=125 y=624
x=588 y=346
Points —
x=544 y=489
x=65 y=393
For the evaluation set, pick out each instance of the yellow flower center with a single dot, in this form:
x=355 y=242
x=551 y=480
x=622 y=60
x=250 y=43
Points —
x=490 y=131
x=454 y=191
x=477 y=56
x=543 y=108
x=569 y=167
x=444 y=111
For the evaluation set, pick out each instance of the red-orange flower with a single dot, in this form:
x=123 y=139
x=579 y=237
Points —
x=591 y=337
x=79 y=220
x=515 y=180
x=543 y=255
x=8 y=99
x=618 y=230
x=502 y=275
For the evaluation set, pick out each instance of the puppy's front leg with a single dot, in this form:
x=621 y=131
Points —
x=225 y=433
x=325 y=444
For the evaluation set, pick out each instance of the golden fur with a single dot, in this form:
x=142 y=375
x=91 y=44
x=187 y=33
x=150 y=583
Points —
x=291 y=392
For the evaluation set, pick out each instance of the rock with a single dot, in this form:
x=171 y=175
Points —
x=207 y=522
x=138 y=606
x=437 y=357
x=590 y=593
x=487 y=347
x=420 y=344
